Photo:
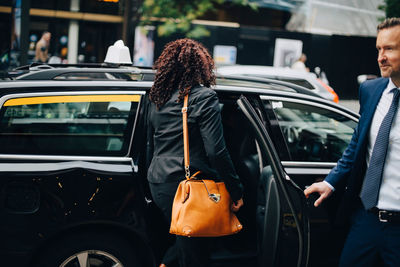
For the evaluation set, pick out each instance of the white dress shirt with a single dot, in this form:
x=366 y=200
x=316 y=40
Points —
x=389 y=195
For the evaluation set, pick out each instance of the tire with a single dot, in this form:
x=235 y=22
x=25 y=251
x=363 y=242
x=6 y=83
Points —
x=89 y=249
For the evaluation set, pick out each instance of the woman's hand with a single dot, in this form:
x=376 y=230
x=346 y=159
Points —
x=236 y=205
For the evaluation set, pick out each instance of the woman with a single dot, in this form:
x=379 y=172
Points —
x=186 y=67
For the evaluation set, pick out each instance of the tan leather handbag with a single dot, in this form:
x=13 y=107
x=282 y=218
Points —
x=202 y=207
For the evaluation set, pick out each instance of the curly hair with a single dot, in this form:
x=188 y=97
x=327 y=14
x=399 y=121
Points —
x=183 y=64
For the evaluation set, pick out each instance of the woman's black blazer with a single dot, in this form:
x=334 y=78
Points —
x=207 y=148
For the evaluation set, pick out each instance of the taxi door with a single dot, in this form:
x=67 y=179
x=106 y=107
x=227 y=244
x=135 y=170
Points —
x=283 y=223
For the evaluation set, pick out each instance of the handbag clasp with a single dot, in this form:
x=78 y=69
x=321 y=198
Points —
x=215 y=197
x=187 y=172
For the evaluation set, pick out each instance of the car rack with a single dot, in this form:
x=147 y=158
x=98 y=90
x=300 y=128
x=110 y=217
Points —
x=79 y=65
x=42 y=71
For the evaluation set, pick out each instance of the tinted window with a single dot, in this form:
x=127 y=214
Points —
x=313 y=133
x=81 y=125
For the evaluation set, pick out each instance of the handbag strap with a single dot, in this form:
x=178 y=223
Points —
x=211 y=187
x=186 y=136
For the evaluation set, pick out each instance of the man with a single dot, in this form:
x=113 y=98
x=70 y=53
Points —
x=42 y=48
x=300 y=64
x=369 y=170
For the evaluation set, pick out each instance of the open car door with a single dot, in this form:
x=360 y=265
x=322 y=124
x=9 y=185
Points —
x=282 y=220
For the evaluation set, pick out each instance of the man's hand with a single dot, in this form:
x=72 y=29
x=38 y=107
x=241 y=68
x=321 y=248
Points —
x=322 y=189
x=236 y=206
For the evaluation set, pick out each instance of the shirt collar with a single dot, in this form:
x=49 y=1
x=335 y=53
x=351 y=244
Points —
x=390 y=85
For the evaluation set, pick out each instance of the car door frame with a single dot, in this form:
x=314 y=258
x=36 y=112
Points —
x=265 y=143
x=305 y=173
x=302 y=167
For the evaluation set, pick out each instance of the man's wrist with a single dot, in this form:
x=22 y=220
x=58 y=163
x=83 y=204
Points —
x=330 y=186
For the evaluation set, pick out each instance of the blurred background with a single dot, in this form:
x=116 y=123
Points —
x=338 y=36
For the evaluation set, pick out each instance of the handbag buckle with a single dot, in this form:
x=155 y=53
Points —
x=215 y=197
x=187 y=172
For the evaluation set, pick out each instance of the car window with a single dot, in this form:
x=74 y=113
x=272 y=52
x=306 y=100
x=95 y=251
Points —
x=82 y=125
x=313 y=133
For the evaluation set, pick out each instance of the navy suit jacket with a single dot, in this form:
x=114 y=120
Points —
x=348 y=175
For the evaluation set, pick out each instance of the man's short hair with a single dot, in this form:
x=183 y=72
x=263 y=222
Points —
x=388 y=23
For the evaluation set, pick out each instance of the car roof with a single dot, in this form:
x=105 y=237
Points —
x=307 y=79
x=44 y=77
x=42 y=71
x=263 y=83
x=262 y=70
x=80 y=72
x=32 y=86
x=70 y=74
x=107 y=72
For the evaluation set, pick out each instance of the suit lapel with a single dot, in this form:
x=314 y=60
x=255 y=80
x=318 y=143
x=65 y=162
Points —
x=366 y=120
x=364 y=125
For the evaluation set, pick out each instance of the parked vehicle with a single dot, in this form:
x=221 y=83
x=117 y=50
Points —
x=306 y=79
x=74 y=159
x=363 y=77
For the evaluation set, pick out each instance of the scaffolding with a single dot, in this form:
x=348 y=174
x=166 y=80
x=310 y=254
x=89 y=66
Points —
x=342 y=17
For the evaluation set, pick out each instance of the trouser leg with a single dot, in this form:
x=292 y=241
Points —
x=390 y=251
x=362 y=243
x=163 y=195
x=193 y=251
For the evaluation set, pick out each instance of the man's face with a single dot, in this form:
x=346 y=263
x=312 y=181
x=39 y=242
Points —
x=388 y=45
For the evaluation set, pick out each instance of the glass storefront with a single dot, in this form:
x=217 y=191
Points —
x=99 y=27
x=111 y=7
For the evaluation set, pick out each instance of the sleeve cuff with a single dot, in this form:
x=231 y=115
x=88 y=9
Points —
x=330 y=186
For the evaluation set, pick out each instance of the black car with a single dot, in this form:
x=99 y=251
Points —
x=74 y=159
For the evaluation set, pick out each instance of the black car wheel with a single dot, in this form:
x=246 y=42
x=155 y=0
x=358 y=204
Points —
x=91 y=258
x=90 y=250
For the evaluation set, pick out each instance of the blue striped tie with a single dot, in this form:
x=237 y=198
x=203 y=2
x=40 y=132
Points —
x=373 y=178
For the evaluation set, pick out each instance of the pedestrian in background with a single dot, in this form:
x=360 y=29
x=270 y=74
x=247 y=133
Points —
x=300 y=64
x=185 y=67
x=42 y=48
x=369 y=170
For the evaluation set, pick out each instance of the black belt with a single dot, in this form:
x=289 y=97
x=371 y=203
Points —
x=386 y=215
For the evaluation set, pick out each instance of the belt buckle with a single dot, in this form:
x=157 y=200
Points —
x=380 y=215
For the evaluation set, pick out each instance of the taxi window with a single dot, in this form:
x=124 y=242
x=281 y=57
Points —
x=77 y=125
x=313 y=134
